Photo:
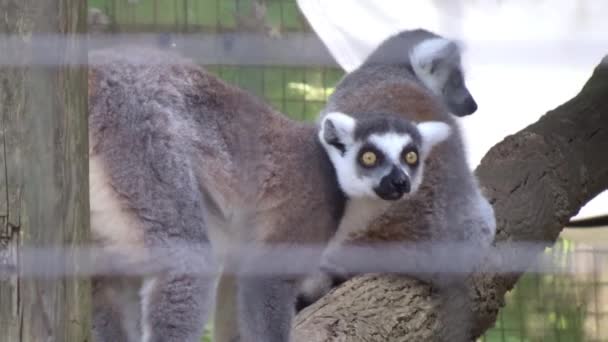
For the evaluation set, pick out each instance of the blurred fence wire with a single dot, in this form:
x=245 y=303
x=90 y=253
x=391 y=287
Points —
x=290 y=259
x=563 y=293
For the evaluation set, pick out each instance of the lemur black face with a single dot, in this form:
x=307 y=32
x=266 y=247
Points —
x=458 y=98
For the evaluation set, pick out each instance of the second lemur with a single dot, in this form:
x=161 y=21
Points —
x=434 y=60
x=383 y=82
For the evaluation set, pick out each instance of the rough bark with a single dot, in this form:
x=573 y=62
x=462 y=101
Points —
x=43 y=172
x=536 y=180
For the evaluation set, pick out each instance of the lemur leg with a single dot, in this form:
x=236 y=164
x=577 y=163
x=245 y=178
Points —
x=175 y=307
x=455 y=313
x=265 y=305
x=487 y=219
x=116 y=310
x=225 y=317
x=265 y=309
x=479 y=226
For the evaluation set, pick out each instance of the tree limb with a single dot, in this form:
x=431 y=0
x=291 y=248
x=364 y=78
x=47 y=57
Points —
x=536 y=179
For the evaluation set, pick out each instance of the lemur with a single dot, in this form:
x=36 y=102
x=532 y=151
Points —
x=449 y=207
x=435 y=60
x=179 y=158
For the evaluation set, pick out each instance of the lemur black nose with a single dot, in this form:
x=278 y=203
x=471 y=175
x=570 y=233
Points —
x=394 y=185
x=464 y=107
x=401 y=184
x=471 y=105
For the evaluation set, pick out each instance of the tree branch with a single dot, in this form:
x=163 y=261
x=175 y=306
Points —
x=536 y=180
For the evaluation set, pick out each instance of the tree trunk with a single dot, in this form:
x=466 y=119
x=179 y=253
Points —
x=43 y=171
x=536 y=180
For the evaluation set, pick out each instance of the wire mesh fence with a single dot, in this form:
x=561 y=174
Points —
x=542 y=307
x=558 y=307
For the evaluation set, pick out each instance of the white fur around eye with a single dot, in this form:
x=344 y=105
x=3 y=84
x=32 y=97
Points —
x=345 y=162
x=391 y=144
x=345 y=166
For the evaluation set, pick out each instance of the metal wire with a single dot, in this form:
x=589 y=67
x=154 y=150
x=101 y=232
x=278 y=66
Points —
x=290 y=259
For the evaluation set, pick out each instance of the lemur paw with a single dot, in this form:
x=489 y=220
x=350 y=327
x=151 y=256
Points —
x=330 y=267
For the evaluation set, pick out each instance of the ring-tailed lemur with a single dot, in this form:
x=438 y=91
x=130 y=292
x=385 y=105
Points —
x=450 y=199
x=378 y=159
x=180 y=159
x=435 y=60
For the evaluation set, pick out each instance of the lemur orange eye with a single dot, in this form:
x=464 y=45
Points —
x=411 y=157
x=369 y=158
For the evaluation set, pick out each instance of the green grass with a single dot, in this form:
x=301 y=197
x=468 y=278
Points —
x=545 y=307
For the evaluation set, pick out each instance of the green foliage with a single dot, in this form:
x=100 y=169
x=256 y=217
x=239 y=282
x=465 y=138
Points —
x=300 y=93
x=211 y=15
x=545 y=307
x=207 y=337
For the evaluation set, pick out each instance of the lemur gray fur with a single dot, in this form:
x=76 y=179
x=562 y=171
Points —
x=449 y=207
x=175 y=156
x=435 y=60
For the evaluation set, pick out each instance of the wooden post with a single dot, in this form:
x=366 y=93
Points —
x=43 y=170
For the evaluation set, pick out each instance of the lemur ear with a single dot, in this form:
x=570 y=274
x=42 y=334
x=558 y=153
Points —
x=430 y=54
x=433 y=133
x=337 y=129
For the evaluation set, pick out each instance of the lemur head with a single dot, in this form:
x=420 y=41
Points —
x=379 y=156
x=437 y=63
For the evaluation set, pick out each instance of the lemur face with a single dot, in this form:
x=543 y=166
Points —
x=457 y=97
x=381 y=156
x=437 y=63
x=388 y=162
